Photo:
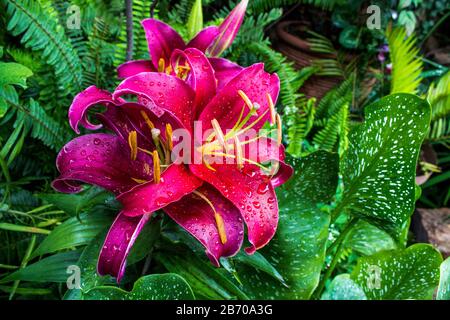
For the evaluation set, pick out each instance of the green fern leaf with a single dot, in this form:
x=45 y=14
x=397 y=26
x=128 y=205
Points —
x=40 y=31
x=406 y=62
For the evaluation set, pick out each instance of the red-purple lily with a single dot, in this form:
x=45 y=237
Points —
x=163 y=41
x=210 y=200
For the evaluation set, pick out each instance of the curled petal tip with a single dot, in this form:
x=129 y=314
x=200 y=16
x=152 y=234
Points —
x=228 y=30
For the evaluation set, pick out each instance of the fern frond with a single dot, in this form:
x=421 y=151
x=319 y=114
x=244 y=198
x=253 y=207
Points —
x=299 y=123
x=40 y=31
x=44 y=127
x=290 y=79
x=439 y=97
x=331 y=103
x=406 y=62
x=336 y=128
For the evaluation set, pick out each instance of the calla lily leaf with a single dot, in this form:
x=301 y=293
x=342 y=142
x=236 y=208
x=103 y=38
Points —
x=380 y=164
x=50 y=269
x=444 y=282
x=412 y=273
x=343 y=288
x=166 y=286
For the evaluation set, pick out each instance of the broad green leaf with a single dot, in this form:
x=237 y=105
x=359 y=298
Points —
x=207 y=281
x=443 y=292
x=298 y=249
x=73 y=233
x=343 y=288
x=3 y=107
x=259 y=262
x=412 y=273
x=152 y=287
x=195 y=22
x=50 y=269
x=380 y=165
x=74 y=204
x=315 y=177
x=88 y=269
x=368 y=239
x=145 y=241
x=14 y=73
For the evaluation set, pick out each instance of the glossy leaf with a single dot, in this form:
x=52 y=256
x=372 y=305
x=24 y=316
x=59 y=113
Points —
x=298 y=249
x=50 y=269
x=152 y=287
x=367 y=239
x=443 y=292
x=343 y=288
x=380 y=165
x=412 y=273
x=73 y=233
x=14 y=73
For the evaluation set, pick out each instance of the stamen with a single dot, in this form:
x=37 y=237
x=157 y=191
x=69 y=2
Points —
x=161 y=65
x=140 y=181
x=219 y=220
x=234 y=157
x=132 y=142
x=246 y=99
x=169 y=136
x=273 y=112
x=219 y=133
x=156 y=167
x=147 y=120
x=238 y=152
x=279 y=129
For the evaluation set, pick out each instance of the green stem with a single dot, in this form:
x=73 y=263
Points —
x=23 y=264
x=339 y=244
x=436 y=25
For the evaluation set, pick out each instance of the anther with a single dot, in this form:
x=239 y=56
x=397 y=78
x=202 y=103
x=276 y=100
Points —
x=221 y=228
x=219 y=220
x=238 y=153
x=169 y=136
x=132 y=142
x=246 y=99
x=279 y=129
x=147 y=120
x=219 y=133
x=161 y=65
x=273 y=112
x=156 y=167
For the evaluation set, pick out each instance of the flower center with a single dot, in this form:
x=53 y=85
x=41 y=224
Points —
x=230 y=145
x=161 y=156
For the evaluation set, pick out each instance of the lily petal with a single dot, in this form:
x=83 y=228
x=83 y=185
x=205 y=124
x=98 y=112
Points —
x=82 y=102
x=99 y=159
x=201 y=76
x=225 y=70
x=227 y=104
x=228 y=30
x=162 y=40
x=176 y=182
x=251 y=193
x=132 y=68
x=204 y=38
x=197 y=217
x=264 y=150
x=118 y=243
x=162 y=93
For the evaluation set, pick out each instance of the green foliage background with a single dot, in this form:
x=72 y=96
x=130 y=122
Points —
x=346 y=208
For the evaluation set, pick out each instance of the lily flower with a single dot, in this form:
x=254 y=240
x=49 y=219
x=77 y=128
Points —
x=163 y=40
x=183 y=146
